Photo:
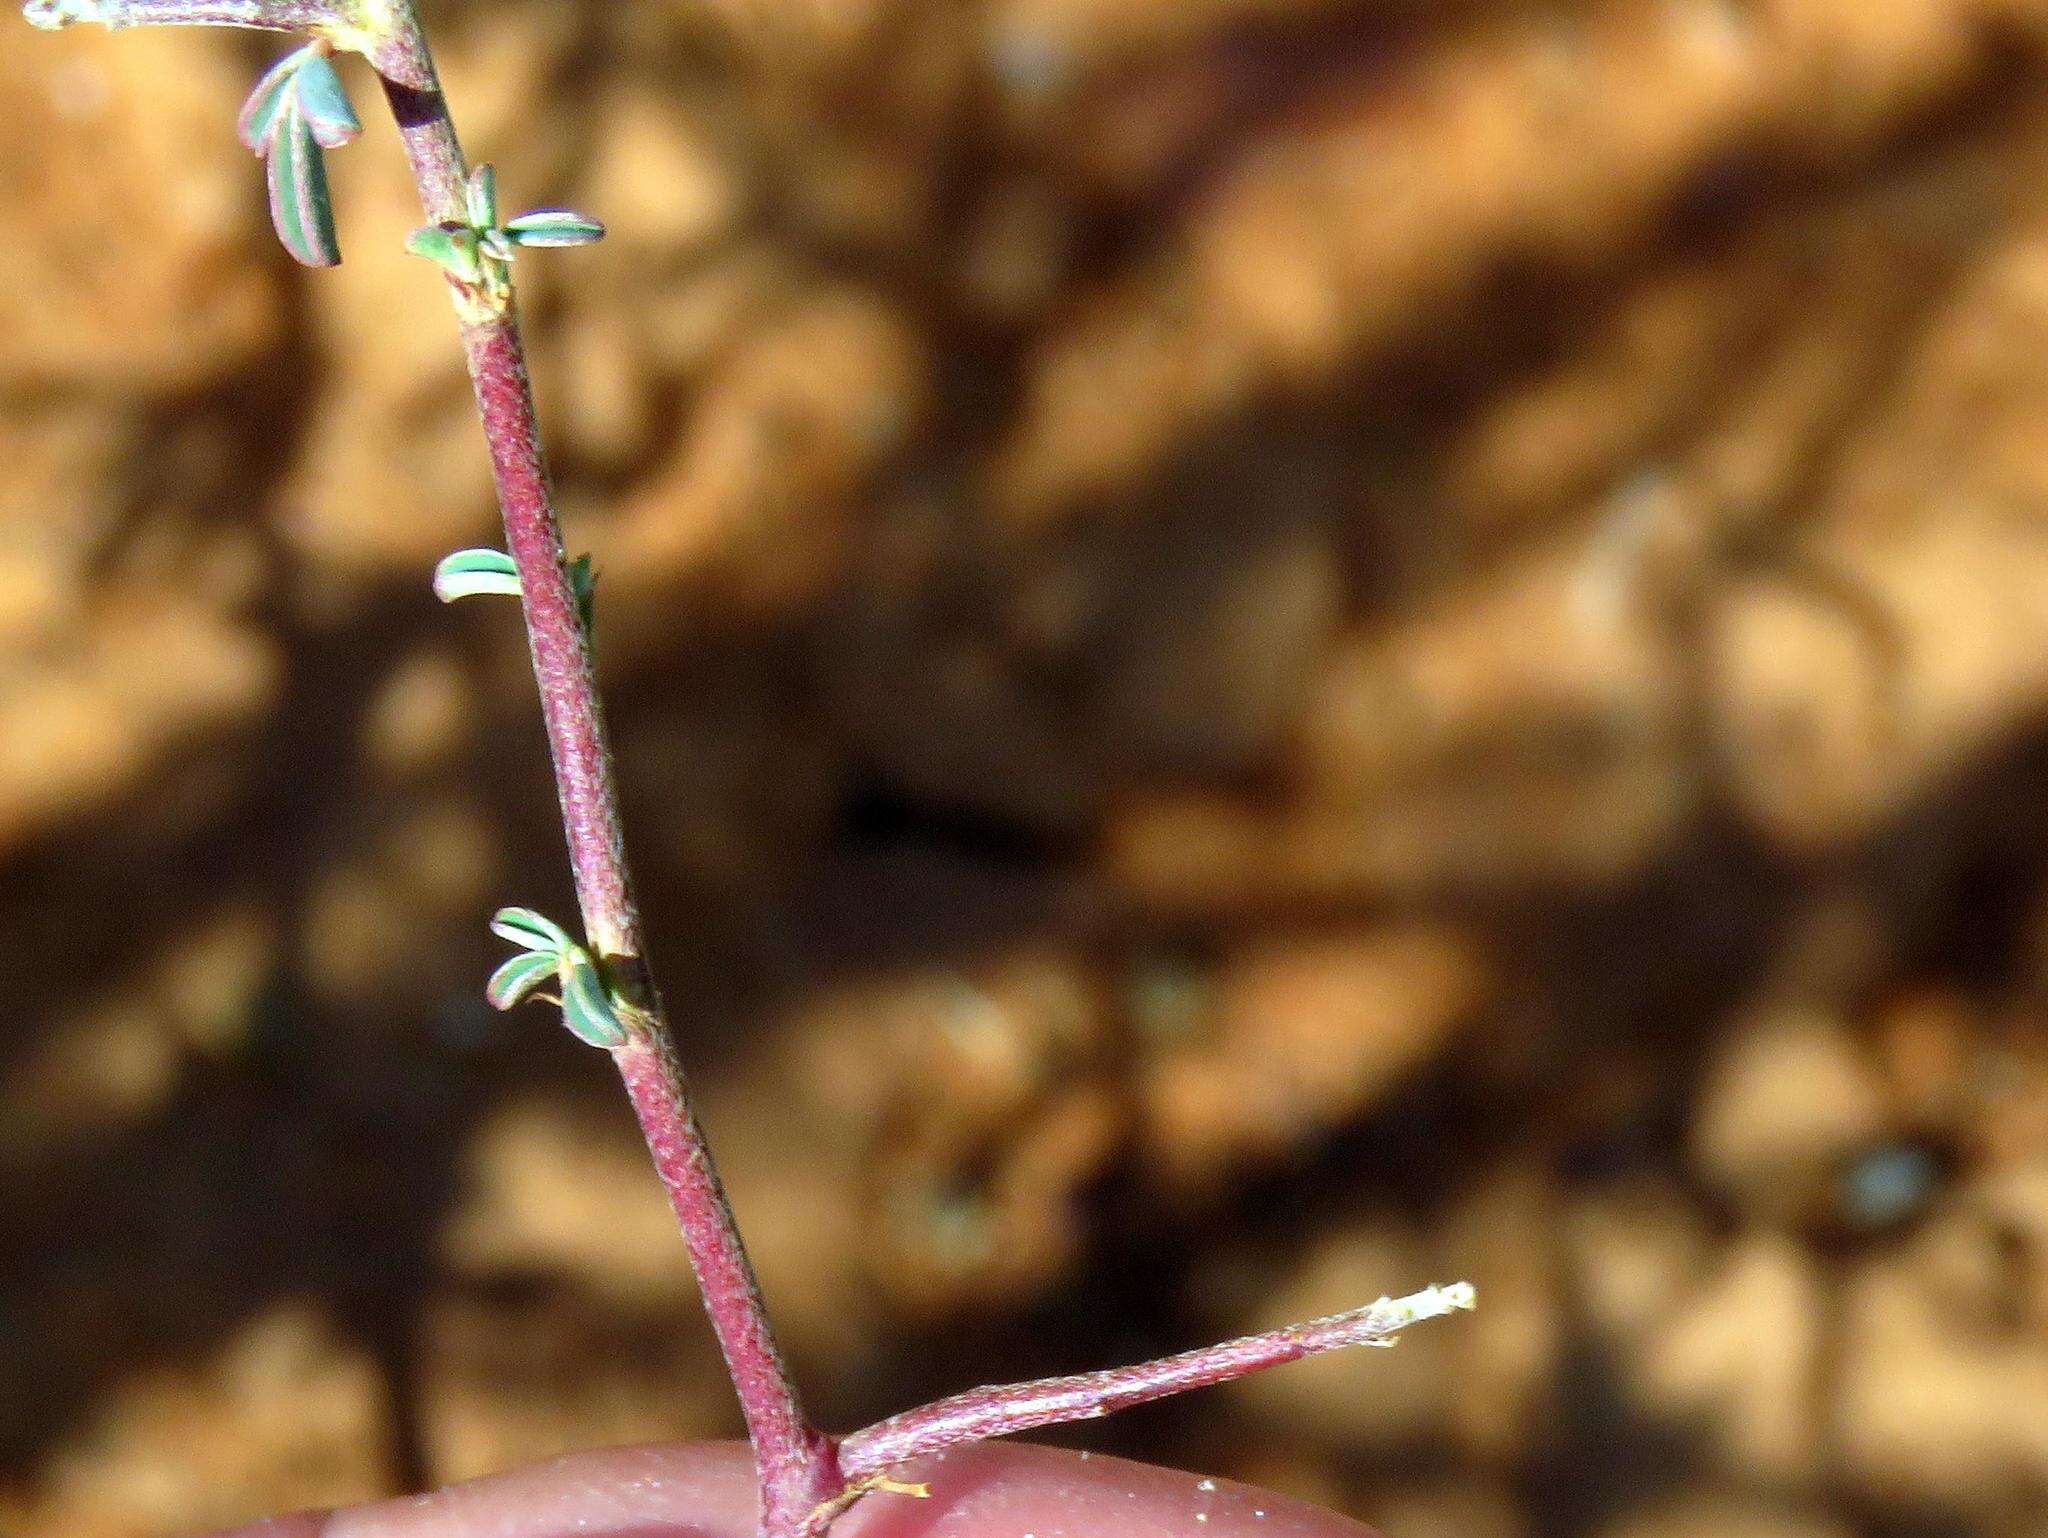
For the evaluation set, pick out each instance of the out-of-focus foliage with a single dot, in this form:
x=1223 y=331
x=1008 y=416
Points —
x=1264 y=650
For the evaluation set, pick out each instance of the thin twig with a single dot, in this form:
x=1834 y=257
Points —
x=265 y=15
x=1008 y=1409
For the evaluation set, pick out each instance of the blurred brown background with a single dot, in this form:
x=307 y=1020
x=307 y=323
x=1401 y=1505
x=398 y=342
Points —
x=1264 y=651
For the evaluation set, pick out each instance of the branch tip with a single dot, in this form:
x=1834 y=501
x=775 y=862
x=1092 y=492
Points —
x=1006 y=1409
x=1433 y=1302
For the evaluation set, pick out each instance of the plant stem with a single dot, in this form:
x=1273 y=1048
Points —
x=797 y=1465
x=797 y=1469
x=1007 y=1409
x=806 y=1479
x=562 y=661
x=359 y=26
x=264 y=15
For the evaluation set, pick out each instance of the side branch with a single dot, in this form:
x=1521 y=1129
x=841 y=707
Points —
x=398 y=56
x=263 y=15
x=1011 y=1408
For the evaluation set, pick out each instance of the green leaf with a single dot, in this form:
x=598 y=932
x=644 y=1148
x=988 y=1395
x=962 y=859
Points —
x=258 y=121
x=519 y=976
x=451 y=247
x=480 y=196
x=583 y=583
x=323 y=101
x=300 y=206
x=467 y=573
x=530 y=931
x=587 y=1008
x=554 y=227
x=296 y=111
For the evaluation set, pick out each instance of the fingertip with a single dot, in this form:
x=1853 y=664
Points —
x=1003 y=1489
x=691 y=1490
x=994 y=1490
x=300 y=1524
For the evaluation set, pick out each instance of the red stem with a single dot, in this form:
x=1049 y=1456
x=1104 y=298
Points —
x=798 y=1472
x=562 y=662
x=261 y=15
x=399 y=55
x=796 y=1463
x=1006 y=1409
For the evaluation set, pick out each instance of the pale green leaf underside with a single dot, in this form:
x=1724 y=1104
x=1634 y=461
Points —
x=467 y=573
x=587 y=1009
x=554 y=227
x=532 y=931
x=519 y=976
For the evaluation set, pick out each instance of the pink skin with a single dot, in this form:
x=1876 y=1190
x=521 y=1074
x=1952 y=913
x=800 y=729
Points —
x=707 y=1490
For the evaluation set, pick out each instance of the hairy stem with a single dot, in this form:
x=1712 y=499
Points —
x=264 y=15
x=1008 y=1409
x=795 y=1461
x=797 y=1464
x=562 y=662
x=367 y=27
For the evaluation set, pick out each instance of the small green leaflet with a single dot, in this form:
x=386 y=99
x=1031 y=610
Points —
x=586 y=1008
x=461 y=246
x=554 y=227
x=451 y=247
x=547 y=951
x=467 y=573
x=513 y=981
x=583 y=583
x=324 y=103
x=296 y=113
x=259 y=112
x=529 y=930
x=300 y=207
x=480 y=198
